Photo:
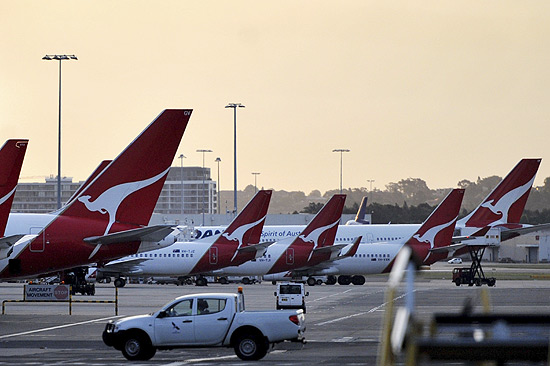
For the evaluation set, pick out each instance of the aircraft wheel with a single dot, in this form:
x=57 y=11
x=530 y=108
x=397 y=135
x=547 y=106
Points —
x=120 y=282
x=201 y=281
x=358 y=280
x=344 y=280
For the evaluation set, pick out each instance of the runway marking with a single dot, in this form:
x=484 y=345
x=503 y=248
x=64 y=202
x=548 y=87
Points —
x=336 y=294
x=57 y=327
x=361 y=313
x=192 y=360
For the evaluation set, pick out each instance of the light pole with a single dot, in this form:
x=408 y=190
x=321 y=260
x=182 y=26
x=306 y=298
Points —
x=255 y=176
x=341 y=151
x=182 y=200
x=218 y=160
x=59 y=58
x=235 y=106
x=203 y=174
x=370 y=190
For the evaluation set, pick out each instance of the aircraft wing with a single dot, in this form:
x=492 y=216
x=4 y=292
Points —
x=129 y=266
x=451 y=248
x=6 y=244
x=149 y=233
x=507 y=234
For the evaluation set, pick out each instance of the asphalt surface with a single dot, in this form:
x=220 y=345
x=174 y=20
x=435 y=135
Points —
x=344 y=323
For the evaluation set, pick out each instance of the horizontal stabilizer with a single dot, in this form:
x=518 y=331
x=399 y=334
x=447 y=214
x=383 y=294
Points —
x=507 y=234
x=330 y=248
x=450 y=248
x=258 y=248
x=6 y=245
x=8 y=241
x=149 y=233
x=477 y=234
x=130 y=265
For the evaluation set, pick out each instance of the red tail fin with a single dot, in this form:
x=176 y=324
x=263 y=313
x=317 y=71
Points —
x=320 y=232
x=92 y=176
x=244 y=230
x=437 y=230
x=11 y=160
x=506 y=202
x=128 y=189
x=122 y=197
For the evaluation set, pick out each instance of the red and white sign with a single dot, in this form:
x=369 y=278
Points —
x=47 y=293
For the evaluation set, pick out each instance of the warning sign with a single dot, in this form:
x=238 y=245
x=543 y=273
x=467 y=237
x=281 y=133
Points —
x=47 y=292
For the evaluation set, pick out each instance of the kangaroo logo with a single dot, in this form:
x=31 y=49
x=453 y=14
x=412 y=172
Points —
x=502 y=206
x=429 y=236
x=6 y=197
x=238 y=234
x=109 y=201
x=313 y=237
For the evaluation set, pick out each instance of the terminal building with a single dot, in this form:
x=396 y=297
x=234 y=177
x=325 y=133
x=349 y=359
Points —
x=197 y=196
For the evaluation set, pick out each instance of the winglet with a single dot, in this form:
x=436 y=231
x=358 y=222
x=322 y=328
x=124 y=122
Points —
x=353 y=250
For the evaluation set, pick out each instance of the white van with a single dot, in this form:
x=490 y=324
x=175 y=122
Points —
x=291 y=295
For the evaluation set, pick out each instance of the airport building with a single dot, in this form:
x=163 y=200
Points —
x=198 y=195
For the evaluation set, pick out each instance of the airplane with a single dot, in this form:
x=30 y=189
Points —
x=314 y=245
x=12 y=154
x=507 y=199
x=108 y=218
x=239 y=243
x=428 y=242
x=361 y=213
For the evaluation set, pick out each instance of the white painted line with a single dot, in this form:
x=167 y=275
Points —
x=361 y=313
x=57 y=327
x=207 y=359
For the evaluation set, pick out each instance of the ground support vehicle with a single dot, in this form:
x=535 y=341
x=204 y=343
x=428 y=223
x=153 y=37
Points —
x=205 y=320
x=76 y=277
x=291 y=295
x=474 y=274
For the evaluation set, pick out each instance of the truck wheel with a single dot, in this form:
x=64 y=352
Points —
x=137 y=347
x=311 y=281
x=250 y=347
x=457 y=282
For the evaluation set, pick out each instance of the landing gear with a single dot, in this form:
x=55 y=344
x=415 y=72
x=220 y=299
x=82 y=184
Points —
x=473 y=275
x=201 y=281
x=120 y=282
x=331 y=280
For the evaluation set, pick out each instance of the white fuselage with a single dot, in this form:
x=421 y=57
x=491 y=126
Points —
x=180 y=258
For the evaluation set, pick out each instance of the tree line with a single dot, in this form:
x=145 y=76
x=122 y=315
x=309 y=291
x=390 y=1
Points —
x=406 y=201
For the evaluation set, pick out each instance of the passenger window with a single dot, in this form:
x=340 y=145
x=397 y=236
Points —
x=182 y=308
x=210 y=306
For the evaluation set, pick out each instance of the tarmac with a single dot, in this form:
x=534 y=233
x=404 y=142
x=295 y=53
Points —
x=344 y=323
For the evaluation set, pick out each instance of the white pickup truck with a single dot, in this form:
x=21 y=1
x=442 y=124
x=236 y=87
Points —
x=204 y=320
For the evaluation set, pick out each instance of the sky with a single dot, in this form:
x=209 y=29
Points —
x=438 y=90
